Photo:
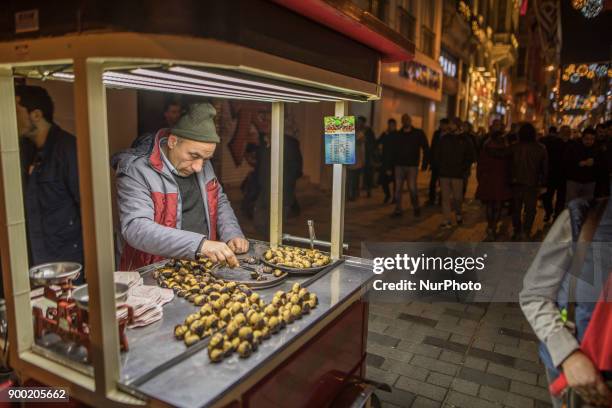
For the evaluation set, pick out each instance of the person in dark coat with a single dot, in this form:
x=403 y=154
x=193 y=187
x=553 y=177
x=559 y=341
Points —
x=454 y=157
x=433 y=166
x=468 y=130
x=583 y=163
x=603 y=144
x=555 y=183
x=370 y=154
x=528 y=173
x=250 y=185
x=407 y=144
x=292 y=171
x=493 y=173
x=386 y=174
x=52 y=199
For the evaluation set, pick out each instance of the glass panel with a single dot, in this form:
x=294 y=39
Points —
x=52 y=207
x=407 y=23
x=427 y=41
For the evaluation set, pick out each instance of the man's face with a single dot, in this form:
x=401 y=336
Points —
x=172 y=114
x=588 y=139
x=188 y=156
x=406 y=121
x=392 y=126
x=25 y=120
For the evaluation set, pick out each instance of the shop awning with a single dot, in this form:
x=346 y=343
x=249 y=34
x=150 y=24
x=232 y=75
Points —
x=348 y=19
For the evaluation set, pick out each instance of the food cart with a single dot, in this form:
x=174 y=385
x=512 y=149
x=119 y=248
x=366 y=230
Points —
x=318 y=355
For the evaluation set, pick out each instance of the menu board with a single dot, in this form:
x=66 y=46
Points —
x=339 y=139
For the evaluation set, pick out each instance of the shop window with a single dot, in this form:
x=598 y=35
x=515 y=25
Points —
x=379 y=9
x=427 y=41
x=502 y=11
x=407 y=23
x=428 y=14
x=448 y=64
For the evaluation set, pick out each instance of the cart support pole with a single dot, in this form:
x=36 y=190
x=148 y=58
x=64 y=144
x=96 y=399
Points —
x=94 y=183
x=12 y=219
x=338 y=186
x=276 y=174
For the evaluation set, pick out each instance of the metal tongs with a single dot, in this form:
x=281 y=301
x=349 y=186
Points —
x=311 y=233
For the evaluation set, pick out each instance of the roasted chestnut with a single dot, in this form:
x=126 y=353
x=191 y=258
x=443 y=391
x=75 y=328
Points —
x=215 y=355
x=180 y=330
x=296 y=311
x=197 y=327
x=245 y=333
x=190 y=339
x=216 y=341
x=191 y=318
x=244 y=349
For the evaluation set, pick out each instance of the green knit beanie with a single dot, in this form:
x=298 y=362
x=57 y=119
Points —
x=198 y=124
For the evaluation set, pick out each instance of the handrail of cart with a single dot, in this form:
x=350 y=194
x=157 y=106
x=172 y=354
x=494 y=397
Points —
x=317 y=242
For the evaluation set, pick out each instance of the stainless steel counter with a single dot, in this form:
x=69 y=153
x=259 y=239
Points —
x=196 y=382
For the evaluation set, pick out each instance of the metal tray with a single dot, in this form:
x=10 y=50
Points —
x=243 y=275
x=81 y=295
x=294 y=271
x=54 y=273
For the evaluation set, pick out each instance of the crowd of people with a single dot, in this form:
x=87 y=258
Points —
x=515 y=168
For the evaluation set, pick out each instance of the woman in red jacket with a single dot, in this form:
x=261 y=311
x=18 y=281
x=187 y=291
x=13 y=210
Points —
x=493 y=174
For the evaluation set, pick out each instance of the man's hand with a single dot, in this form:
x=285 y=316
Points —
x=239 y=245
x=584 y=377
x=219 y=252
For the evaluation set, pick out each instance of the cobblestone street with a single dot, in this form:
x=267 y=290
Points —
x=434 y=354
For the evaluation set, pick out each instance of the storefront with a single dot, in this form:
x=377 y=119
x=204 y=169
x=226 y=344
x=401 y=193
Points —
x=412 y=88
x=324 y=343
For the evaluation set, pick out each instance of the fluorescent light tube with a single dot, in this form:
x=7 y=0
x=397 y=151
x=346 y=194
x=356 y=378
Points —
x=153 y=82
x=183 y=78
x=212 y=75
x=132 y=85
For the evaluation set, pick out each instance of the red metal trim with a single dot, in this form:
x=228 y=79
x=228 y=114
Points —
x=361 y=26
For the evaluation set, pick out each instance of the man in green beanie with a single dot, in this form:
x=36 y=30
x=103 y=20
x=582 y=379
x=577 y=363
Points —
x=171 y=204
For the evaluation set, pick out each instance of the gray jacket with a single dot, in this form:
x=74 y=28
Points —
x=547 y=284
x=150 y=208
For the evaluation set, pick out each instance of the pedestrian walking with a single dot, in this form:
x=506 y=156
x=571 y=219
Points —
x=386 y=174
x=407 y=146
x=468 y=129
x=454 y=156
x=355 y=171
x=434 y=195
x=583 y=164
x=529 y=167
x=553 y=199
x=369 y=154
x=493 y=174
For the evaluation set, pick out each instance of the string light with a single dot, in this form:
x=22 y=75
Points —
x=592 y=8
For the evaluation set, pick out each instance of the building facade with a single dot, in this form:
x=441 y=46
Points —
x=414 y=87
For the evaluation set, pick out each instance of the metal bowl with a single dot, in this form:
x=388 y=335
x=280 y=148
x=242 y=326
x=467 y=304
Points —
x=54 y=273
x=81 y=295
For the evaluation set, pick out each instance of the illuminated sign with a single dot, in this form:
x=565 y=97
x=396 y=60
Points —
x=421 y=74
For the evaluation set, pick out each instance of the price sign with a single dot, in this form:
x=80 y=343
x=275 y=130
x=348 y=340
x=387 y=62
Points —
x=339 y=139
